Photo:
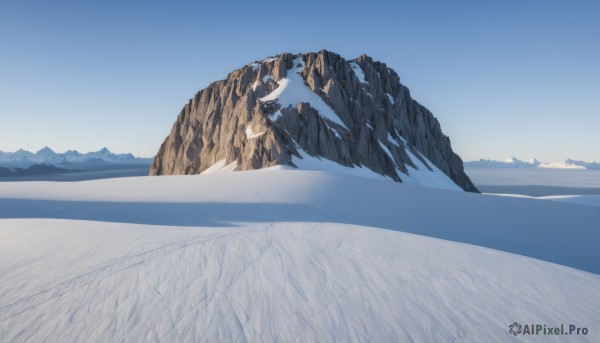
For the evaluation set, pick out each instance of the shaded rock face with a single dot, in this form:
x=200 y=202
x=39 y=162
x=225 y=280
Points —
x=356 y=113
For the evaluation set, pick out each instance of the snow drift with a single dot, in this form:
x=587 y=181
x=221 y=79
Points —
x=286 y=255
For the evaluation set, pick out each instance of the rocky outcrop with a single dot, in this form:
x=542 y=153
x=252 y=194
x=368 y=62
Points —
x=356 y=113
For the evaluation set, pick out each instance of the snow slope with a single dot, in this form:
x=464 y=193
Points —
x=545 y=229
x=421 y=176
x=287 y=255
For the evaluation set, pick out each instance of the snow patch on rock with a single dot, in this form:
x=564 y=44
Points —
x=422 y=176
x=391 y=98
x=251 y=135
x=291 y=91
x=360 y=75
x=219 y=167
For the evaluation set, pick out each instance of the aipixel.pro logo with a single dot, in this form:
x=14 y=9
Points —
x=545 y=330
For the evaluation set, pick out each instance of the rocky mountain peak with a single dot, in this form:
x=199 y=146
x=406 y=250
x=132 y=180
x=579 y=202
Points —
x=288 y=109
x=45 y=151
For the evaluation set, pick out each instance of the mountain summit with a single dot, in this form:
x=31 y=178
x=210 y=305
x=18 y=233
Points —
x=302 y=110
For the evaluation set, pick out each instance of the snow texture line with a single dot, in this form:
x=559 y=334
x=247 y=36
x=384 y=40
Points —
x=30 y=302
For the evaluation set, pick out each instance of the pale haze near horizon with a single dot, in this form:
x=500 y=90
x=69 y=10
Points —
x=504 y=79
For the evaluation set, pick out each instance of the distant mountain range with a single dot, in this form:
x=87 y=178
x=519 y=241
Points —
x=513 y=162
x=25 y=159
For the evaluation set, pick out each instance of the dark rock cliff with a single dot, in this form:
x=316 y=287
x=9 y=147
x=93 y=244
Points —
x=356 y=113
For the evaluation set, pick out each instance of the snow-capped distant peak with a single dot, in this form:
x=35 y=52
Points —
x=46 y=155
x=45 y=151
x=513 y=162
x=561 y=165
x=587 y=165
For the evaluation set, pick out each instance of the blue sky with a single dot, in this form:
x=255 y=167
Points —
x=510 y=77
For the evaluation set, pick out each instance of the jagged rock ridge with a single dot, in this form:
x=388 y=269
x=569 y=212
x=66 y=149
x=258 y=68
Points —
x=356 y=113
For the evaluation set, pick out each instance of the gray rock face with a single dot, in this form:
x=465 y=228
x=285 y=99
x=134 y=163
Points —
x=349 y=112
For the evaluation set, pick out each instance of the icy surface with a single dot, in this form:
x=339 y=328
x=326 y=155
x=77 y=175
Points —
x=291 y=91
x=287 y=255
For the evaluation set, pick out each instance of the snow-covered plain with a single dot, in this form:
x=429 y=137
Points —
x=590 y=200
x=536 y=181
x=288 y=255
